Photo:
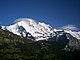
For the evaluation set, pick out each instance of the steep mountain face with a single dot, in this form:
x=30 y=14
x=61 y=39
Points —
x=33 y=30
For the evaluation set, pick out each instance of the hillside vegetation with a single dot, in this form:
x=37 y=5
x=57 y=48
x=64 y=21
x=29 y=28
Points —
x=13 y=47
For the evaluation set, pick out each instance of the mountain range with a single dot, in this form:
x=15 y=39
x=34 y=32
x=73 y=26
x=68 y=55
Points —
x=29 y=28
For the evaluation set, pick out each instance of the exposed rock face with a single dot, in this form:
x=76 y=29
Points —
x=73 y=42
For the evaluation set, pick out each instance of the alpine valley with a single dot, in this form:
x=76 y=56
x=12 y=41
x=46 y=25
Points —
x=31 y=40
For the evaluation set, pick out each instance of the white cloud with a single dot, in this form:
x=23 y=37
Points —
x=24 y=19
x=20 y=19
x=69 y=27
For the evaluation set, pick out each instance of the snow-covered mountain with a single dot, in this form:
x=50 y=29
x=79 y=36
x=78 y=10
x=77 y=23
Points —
x=40 y=31
x=26 y=27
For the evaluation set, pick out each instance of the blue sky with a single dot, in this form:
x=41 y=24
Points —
x=57 y=13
